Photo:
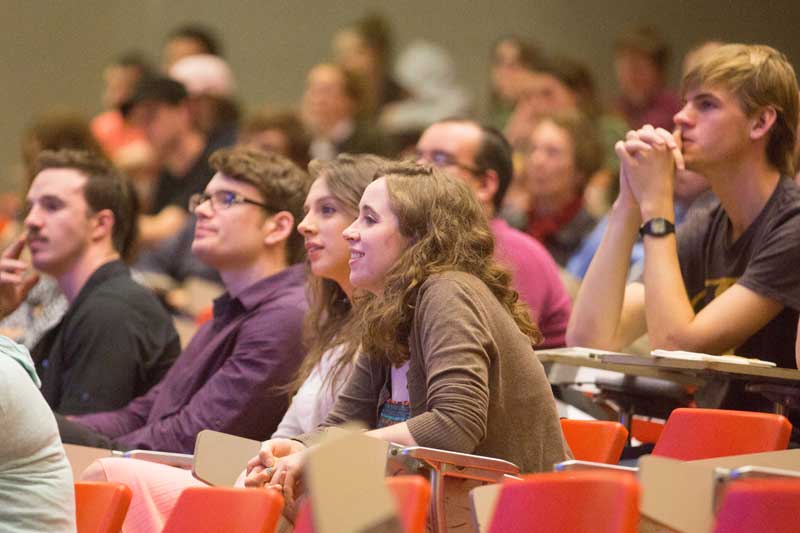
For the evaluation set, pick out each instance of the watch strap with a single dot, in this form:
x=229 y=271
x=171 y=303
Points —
x=657 y=227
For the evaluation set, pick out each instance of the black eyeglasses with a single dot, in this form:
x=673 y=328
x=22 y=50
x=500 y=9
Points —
x=441 y=159
x=220 y=200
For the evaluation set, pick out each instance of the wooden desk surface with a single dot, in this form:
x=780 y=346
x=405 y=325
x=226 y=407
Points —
x=678 y=370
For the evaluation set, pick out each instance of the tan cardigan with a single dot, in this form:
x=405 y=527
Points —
x=474 y=382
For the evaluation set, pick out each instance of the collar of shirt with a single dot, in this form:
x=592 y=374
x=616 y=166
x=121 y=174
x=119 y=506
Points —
x=543 y=227
x=260 y=291
x=112 y=269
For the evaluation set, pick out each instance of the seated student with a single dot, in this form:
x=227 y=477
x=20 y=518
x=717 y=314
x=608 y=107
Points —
x=331 y=206
x=447 y=358
x=36 y=490
x=44 y=305
x=564 y=151
x=115 y=341
x=160 y=108
x=481 y=158
x=727 y=282
x=229 y=378
x=331 y=111
x=281 y=133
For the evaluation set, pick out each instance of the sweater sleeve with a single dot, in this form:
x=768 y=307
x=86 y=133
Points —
x=455 y=346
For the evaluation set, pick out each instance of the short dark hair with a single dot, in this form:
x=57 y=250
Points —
x=160 y=89
x=288 y=123
x=202 y=34
x=135 y=59
x=106 y=188
x=646 y=40
x=577 y=77
x=56 y=130
x=282 y=184
x=495 y=153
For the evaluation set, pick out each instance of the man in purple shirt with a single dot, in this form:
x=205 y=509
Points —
x=481 y=157
x=232 y=376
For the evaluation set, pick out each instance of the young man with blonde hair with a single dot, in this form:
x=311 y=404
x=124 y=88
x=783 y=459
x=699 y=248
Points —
x=728 y=282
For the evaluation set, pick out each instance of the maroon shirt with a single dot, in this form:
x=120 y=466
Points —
x=658 y=112
x=227 y=377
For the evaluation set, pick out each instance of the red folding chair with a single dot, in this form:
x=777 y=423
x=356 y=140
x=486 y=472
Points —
x=692 y=433
x=101 y=506
x=758 y=505
x=599 y=501
x=599 y=441
x=217 y=509
x=412 y=495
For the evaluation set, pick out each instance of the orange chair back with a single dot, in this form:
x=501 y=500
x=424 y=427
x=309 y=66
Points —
x=583 y=500
x=691 y=434
x=216 y=509
x=595 y=440
x=101 y=506
x=412 y=495
x=757 y=505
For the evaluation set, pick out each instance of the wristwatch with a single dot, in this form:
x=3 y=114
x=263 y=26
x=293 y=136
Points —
x=657 y=227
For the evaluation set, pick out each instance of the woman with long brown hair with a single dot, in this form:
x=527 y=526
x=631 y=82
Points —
x=448 y=360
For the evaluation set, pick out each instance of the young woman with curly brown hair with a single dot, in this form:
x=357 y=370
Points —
x=448 y=360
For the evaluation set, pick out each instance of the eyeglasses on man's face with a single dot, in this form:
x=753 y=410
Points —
x=442 y=159
x=220 y=200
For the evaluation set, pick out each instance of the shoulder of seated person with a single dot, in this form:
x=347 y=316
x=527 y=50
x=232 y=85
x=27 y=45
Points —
x=451 y=282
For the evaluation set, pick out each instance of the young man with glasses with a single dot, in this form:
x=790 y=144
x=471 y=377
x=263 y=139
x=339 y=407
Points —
x=481 y=157
x=232 y=376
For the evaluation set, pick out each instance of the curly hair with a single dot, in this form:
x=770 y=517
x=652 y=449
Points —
x=448 y=231
x=329 y=320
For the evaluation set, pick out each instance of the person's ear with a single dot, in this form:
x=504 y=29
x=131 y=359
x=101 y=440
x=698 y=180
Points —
x=103 y=224
x=490 y=182
x=762 y=122
x=278 y=228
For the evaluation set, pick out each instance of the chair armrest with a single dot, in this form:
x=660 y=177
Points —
x=178 y=460
x=573 y=464
x=454 y=464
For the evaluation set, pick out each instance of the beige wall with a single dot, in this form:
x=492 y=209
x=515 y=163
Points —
x=53 y=51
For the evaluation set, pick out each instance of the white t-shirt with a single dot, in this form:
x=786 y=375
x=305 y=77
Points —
x=36 y=486
x=315 y=397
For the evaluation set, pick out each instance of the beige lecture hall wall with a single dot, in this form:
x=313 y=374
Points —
x=53 y=52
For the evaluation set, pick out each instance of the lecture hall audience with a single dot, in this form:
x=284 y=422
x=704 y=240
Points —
x=411 y=323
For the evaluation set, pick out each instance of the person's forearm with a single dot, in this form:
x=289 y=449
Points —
x=397 y=433
x=595 y=319
x=667 y=306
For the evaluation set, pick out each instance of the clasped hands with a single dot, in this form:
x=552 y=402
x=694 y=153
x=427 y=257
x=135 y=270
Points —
x=278 y=466
x=649 y=158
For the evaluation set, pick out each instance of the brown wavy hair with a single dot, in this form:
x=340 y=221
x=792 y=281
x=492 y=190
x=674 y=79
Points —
x=329 y=320
x=448 y=231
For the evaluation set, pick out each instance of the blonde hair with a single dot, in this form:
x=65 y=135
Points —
x=448 y=231
x=759 y=76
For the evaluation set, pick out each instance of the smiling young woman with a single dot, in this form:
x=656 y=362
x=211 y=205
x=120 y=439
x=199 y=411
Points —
x=450 y=361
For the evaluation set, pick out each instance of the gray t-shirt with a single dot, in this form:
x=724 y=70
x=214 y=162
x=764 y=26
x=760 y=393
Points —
x=36 y=486
x=764 y=259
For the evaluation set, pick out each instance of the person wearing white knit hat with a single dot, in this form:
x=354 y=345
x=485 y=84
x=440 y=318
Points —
x=211 y=86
